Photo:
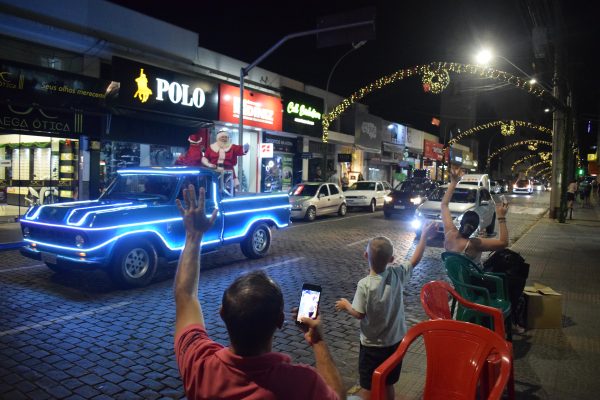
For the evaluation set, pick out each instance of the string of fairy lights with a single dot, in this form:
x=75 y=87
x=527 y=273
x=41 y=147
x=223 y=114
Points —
x=545 y=171
x=507 y=128
x=531 y=144
x=533 y=166
x=435 y=77
x=543 y=155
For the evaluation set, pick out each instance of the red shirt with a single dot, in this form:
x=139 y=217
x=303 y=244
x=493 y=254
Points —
x=211 y=371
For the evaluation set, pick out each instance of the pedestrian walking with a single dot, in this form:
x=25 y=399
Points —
x=571 y=192
x=379 y=305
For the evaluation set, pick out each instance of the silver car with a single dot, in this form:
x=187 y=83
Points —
x=311 y=199
x=465 y=198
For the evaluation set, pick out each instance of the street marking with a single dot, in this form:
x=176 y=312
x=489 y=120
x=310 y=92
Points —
x=61 y=319
x=329 y=220
x=20 y=268
x=282 y=262
x=358 y=242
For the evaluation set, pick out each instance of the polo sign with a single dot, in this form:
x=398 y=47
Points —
x=150 y=88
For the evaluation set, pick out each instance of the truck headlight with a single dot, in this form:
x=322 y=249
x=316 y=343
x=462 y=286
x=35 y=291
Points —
x=26 y=232
x=79 y=241
x=388 y=199
x=416 y=223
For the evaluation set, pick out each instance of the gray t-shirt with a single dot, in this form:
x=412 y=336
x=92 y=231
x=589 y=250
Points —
x=380 y=298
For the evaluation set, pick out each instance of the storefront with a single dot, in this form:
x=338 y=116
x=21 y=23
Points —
x=44 y=154
x=433 y=155
x=414 y=146
x=262 y=112
x=368 y=136
x=156 y=117
x=277 y=171
x=314 y=160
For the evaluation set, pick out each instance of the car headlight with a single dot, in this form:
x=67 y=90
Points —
x=26 y=232
x=416 y=200
x=388 y=199
x=416 y=223
x=79 y=241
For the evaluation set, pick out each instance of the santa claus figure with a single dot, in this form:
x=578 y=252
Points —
x=222 y=155
x=193 y=156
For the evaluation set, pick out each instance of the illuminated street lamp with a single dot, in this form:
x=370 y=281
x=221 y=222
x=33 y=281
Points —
x=485 y=57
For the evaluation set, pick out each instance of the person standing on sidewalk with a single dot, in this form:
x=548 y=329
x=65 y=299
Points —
x=252 y=310
x=571 y=193
x=379 y=305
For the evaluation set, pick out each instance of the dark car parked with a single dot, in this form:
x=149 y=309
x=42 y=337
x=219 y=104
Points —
x=407 y=196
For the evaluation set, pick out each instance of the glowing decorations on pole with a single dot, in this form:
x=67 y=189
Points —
x=507 y=129
x=435 y=81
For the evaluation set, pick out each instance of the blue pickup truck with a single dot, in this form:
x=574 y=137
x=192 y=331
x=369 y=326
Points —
x=135 y=224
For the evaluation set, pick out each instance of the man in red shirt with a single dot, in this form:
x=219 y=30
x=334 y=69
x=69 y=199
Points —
x=252 y=310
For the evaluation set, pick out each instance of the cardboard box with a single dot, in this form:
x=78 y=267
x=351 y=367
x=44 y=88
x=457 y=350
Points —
x=544 y=307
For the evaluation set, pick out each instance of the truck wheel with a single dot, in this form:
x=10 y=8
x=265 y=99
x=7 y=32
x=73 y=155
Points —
x=490 y=228
x=311 y=214
x=343 y=209
x=257 y=243
x=134 y=264
x=372 y=206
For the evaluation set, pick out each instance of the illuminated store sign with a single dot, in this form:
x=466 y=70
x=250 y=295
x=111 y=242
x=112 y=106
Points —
x=260 y=110
x=150 y=88
x=302 y=113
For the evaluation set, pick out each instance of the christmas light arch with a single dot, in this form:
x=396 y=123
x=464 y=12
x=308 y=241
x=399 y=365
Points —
x=530 y=142
x=544 y=156
x=435 y=78
x=502 y=124
x=533 y=166
x=545 y=171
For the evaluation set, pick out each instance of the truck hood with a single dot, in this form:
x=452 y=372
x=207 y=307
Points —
x=434 y=207
x=91 y=213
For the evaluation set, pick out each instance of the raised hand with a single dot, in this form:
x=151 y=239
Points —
x=194 y=215
x=455 y=173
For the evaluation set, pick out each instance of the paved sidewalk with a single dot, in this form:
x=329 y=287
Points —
x=550 y=363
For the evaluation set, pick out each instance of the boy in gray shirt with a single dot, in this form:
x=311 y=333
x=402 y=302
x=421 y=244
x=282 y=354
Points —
x=379 y=305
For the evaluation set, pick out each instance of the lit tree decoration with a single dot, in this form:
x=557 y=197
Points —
x=507 y=129
x=439 y=68
x=537 y=165
x=435 y=81
x=545 y=155
x=532 y=147
x=517 y=144
x=492 y=124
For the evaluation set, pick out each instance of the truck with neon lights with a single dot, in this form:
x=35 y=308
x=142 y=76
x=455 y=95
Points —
x=135 y=225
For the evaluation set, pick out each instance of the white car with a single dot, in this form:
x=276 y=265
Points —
x=311 y=199
x=523 y=186
x=465 y=198
x=370 y=194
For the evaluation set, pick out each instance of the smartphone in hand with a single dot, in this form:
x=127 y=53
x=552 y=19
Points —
x=309 y=302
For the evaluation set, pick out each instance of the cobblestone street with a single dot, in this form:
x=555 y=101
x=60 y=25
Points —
x=76 y=336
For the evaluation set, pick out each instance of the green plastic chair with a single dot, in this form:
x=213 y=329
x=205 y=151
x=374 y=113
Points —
x=479 y=287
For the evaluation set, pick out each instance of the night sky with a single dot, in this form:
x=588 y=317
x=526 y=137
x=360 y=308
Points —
x=407 y=34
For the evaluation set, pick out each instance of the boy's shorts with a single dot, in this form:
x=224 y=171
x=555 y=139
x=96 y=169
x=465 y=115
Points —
x=369 y=358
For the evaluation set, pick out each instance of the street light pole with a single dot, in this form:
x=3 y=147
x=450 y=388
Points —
x=355 y=46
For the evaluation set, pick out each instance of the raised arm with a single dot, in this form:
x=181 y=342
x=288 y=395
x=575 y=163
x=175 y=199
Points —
x=426 y=232
x=188 y=309
x=502 y=241
x=455 y=174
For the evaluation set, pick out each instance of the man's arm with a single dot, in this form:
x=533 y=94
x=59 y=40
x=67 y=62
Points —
x=188 y=309
x=324 y=362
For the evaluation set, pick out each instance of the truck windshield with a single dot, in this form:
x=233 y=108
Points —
x=304 y=190
x=156 y=187
x=459 y=196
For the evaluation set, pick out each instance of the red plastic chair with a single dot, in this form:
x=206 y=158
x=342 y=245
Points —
x=434 y=298
x=456 y=354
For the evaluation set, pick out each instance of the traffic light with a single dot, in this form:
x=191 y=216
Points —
x=580 y=171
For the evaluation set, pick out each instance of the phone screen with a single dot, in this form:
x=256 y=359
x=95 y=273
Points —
x=309 y=301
